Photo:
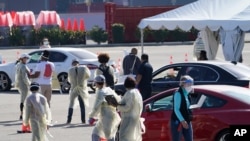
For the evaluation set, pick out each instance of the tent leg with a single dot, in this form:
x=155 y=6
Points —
x=142 y=48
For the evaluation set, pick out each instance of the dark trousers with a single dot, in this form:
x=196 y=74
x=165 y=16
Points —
x=82 y=108
x=176 y=134
x=145 y=91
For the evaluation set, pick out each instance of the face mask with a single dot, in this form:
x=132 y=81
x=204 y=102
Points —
x=188 y=89
x=45 y=43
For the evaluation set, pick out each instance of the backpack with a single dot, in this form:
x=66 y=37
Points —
x=108 y=76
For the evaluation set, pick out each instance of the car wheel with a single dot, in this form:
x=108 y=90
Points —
x=64 y=83
x=5 y=83
x=223 y=135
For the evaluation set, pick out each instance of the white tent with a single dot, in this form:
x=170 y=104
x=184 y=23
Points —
x=227 y=19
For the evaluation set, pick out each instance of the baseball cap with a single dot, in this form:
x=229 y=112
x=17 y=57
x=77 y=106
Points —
x=34 y=86
x=100 y=78
x=75 y=61
x=24 y=55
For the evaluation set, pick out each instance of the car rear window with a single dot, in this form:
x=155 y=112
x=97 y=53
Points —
x=83 y=54
x=238 y=70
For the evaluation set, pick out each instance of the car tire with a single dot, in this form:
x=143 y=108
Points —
x=5 y=82
x=224 y=135
x=64 y=83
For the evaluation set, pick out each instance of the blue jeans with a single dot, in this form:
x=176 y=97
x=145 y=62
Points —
x=176 y=135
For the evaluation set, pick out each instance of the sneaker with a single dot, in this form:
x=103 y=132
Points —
x=21 y=117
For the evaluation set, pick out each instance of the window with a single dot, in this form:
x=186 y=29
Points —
x=200 y=73
x=213 y=102
x=165 y=103
x=35 y=57
x=169 y=74
x=57 y=57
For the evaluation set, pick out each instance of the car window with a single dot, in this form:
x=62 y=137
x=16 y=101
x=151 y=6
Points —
x=169 y=74
x=165 y=103
x=35 y=57
x=57 y=56
x=213 y=102
x=199 y=73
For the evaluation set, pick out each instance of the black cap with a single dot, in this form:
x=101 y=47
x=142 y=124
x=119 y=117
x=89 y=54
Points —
x=34 y=86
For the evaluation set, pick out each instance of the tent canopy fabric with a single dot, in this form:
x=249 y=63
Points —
x=24 y=18
x=227 y=18
x=6 y=20
x=48 y=18
x=213 y=14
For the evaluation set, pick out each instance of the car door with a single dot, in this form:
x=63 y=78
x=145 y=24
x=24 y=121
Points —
x=166 y=78
x=157 y=114
x=205 y=108
x=58 y=58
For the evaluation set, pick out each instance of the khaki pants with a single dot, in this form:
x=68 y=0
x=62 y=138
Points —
x=46 y=90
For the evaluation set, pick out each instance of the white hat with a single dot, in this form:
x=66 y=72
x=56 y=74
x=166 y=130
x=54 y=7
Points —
x=24 y=55
x=100 y=78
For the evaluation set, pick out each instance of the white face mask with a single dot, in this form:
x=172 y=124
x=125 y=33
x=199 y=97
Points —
x=188 y=89
x=45 y=43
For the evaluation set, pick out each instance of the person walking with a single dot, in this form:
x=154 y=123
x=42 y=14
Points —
x=131 y=63
x=181 y=116
x=43 y=74
x=106 y=70
x=78 y=78
x=107 y=117
x=22 y=81
x=130 y=107
x=37 y=113
x=144 y=77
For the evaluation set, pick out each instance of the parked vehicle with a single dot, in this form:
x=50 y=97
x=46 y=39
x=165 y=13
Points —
x=203 y=72
x=61 y=57
x=215 y=108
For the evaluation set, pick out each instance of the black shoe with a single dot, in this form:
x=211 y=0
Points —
x=21 y=118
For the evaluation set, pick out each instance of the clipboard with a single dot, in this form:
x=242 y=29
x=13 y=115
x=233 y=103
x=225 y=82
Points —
x=111 y=100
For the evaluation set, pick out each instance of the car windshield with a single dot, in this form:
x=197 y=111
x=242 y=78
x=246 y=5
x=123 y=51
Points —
x=82 y=54
x=238 y=70
x=241 y=94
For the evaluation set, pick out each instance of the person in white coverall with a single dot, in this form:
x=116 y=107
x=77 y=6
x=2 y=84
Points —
x=130 y=107
x=106 y=114
x=22 y=81
x=37 y=113
x=78 y=78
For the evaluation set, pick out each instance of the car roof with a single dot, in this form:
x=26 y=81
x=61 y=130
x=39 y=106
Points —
x=239 y=70
x=63 y=48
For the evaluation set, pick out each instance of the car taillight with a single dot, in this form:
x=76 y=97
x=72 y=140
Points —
x=92 y=67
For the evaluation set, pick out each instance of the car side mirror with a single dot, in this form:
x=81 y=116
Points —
x=148 y=108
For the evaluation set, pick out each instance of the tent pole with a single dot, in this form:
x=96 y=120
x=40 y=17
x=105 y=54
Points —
x=142 y=51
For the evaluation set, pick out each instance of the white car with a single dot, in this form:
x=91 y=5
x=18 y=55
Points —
x=61 y=57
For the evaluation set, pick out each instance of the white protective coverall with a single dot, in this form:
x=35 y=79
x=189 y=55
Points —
x=78 y=78
x=22 y=80
x=37 y=114
x=108 y=118
x=131 y=109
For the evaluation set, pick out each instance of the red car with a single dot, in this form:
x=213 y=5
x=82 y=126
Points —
x=215 y=108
